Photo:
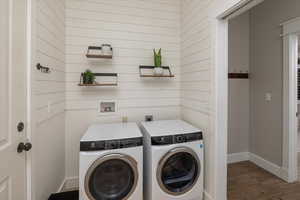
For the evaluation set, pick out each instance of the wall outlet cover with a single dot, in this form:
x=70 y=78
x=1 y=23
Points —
x=107 y=107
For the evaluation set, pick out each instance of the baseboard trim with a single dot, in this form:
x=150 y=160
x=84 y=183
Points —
x=61 y=187
x=207 y=196
x=259 y=161
x=269 y=166
x=238 y=157
x=69 y=184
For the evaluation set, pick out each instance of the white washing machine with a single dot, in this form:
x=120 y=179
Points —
x=111 y=163
x=173 y=161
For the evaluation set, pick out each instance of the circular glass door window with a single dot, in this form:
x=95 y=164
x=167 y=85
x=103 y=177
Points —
x=178 y=171
x=111 y=179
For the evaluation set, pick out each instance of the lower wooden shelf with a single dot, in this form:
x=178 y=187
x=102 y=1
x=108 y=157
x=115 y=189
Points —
x=155 y=76
x=97 y=84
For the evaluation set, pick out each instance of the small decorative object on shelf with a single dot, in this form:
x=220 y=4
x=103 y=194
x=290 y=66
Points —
x=107 y=49
x=104 y=51
x=158 y=70
x=89 y=78
x=43 y=69
x=143 y=68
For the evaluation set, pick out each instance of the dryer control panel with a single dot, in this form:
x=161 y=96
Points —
x=176 y=139
x=110 y=144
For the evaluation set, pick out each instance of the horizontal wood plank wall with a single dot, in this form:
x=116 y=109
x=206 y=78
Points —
x=133 y=28
x=196 y=75
x=49 y=97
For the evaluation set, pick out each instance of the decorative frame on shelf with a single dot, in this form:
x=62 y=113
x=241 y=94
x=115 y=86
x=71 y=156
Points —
x=170 y=75
x=100 y=55
x=100 y=84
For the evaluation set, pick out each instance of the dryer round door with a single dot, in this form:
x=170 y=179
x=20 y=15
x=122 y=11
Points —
x=178 y=171
x=112 y=177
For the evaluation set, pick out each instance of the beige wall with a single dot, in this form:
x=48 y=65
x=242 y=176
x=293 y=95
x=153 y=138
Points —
x=133 y=28
x=239 y=90
x=48 y=98
x=266 y=69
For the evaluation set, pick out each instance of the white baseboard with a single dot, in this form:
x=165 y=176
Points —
x=238 y=157
x=259 y=161
x=61 y=187
x=269 y=166
x=207 y=196
x=69 y=183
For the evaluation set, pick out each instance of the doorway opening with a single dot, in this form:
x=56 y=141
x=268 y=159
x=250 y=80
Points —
x=280 y=128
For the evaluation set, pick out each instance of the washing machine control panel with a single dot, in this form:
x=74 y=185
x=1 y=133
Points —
x=110 y=144
x=176 y=139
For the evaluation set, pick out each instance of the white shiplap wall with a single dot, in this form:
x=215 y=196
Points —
x=134 y=28
x=48 y=92
x=196 y=76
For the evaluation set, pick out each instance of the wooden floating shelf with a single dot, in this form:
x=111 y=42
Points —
x=99 y=56
x=170 y=75
x=98 y=84
x=238 y=75
x=155 y=76
x=82 y=84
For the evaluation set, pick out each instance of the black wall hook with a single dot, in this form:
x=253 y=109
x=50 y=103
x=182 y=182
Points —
x=42 y=68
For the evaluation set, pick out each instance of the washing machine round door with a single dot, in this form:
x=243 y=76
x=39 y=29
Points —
x=112 y=177
x=178 y=171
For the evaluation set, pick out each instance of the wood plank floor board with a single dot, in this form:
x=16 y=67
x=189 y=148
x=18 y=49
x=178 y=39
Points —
x=246 y=181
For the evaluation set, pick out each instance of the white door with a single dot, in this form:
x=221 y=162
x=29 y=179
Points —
x=12 y=99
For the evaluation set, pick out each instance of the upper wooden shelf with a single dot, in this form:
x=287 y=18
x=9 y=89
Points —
x=99 y=56
x=97 y=52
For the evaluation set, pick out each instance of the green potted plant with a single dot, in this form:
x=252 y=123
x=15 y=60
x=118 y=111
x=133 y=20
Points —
x=88 y=77
x=158 y=70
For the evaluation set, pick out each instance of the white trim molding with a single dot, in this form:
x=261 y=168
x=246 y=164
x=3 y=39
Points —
x=220 y=52
x=69 y=183
x=259 y=161
x=291 y=26
x=238 y=157
x=291 y=30
x=268 y=166
x=207 y=196
x=221 y=118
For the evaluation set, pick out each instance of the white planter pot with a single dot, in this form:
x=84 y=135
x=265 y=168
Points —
x=158 y=71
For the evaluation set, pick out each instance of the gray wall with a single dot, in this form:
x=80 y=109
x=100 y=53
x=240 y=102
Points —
x=266 y=76
x=238 y=97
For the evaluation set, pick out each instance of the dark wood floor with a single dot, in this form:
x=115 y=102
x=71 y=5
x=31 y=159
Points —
x=246 y=181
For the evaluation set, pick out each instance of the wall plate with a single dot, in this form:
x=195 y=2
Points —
x=107 y=107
